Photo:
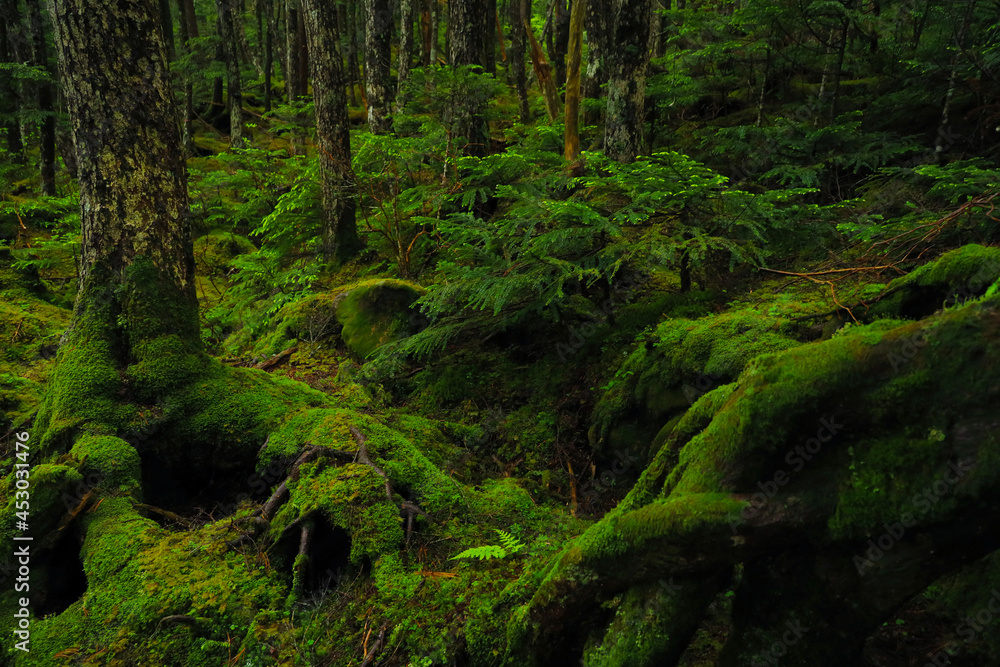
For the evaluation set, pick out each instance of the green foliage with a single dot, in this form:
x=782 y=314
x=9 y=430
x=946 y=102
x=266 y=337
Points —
x=509 y=545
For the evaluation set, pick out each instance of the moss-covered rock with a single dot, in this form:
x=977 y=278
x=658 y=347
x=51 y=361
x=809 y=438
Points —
x=375 y=312
x=672 y=367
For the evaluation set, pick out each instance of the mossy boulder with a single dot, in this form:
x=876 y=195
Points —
x=375 y=312
x=675 y=365
x=955 y=277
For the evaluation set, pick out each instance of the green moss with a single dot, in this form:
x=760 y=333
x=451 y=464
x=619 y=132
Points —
x=673 y=367
x=375 y=312
x=113 y=461
x=214 y=251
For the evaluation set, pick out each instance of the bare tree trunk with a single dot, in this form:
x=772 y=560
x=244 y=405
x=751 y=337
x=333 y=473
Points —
x=520 y=10
x=45 y=91
x=405 y=49
x=188 y=25
x=353 y=73
x=293 y=84
x=268 y=11
x=340 y=236
x=543 y=72
x=167 y=23
x=627 y=80
x=469 y=23
x=573 y=81
x=13 y=49
x=599 y=23
x=378 y=35
x=234 y=98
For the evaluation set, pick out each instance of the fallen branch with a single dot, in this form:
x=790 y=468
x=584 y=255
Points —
x=375 y=647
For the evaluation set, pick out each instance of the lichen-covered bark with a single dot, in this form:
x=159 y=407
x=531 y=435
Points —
x=234 y=97
x=470 y=28
x=626 y=93
x=378 y=53
x=133 y=193
x=340 y=237
x=598 y=26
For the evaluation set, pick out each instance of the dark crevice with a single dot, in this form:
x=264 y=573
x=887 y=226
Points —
x=62 y=576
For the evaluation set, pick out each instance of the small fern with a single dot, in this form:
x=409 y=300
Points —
x=511 y=545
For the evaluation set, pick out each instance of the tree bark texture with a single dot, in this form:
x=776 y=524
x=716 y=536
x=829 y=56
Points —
x=573 y=81
x=135 y=217
x=45 y=90
x=378 y=53
x=626 y=95
x=405 y=48
x=234 y=98
x=14 y=46
x=520 y=10
x=340 y=237
x=599 y=22
x=293 y=85
x=470 y=26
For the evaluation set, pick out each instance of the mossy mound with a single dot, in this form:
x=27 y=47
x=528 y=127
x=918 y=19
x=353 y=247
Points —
x=375 y=312
x=672 y=367
x=30 y=328
x=214 y=252
x=955 y=277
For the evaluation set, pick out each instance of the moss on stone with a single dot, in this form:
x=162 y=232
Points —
x=375 y=312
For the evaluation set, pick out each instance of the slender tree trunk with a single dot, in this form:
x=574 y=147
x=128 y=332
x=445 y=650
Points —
x=45 y=91
x=353 y=76
x=188 y=25
x=293 y=85
x=218 y=83
x=435 y=31
x=378 y=33
x=425 y=32
x=573 y=81
x=137 y=265
x=12 y=50
x=234 y=99
x=468 y=22
x=543 y=72
x=303 y=55
x=268 y=11
x=167 y=22
x=520 y=10
x=340 y=236
x=627 y=80
x=599 y=23
x=405 y=49
x=560 y=41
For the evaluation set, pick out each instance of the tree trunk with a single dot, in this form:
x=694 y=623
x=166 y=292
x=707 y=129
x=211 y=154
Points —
x=598 y=26
x=559 y=46
x=46 y=100
x=573 y=81
x=268 y=11
x=405 y=49
x=378 y=50
x=627 y=80
x=543 y=72
x=188 y=24
x=234 y=99
x=340 y=236
x=13 y=49
x=469 y=25
x=167 y=23
x=136 y=304
x=293 y=85
x=303 y=55
x=520 y=10
x=353 y=74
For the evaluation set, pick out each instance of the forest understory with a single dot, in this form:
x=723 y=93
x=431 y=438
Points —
x=409 y=333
